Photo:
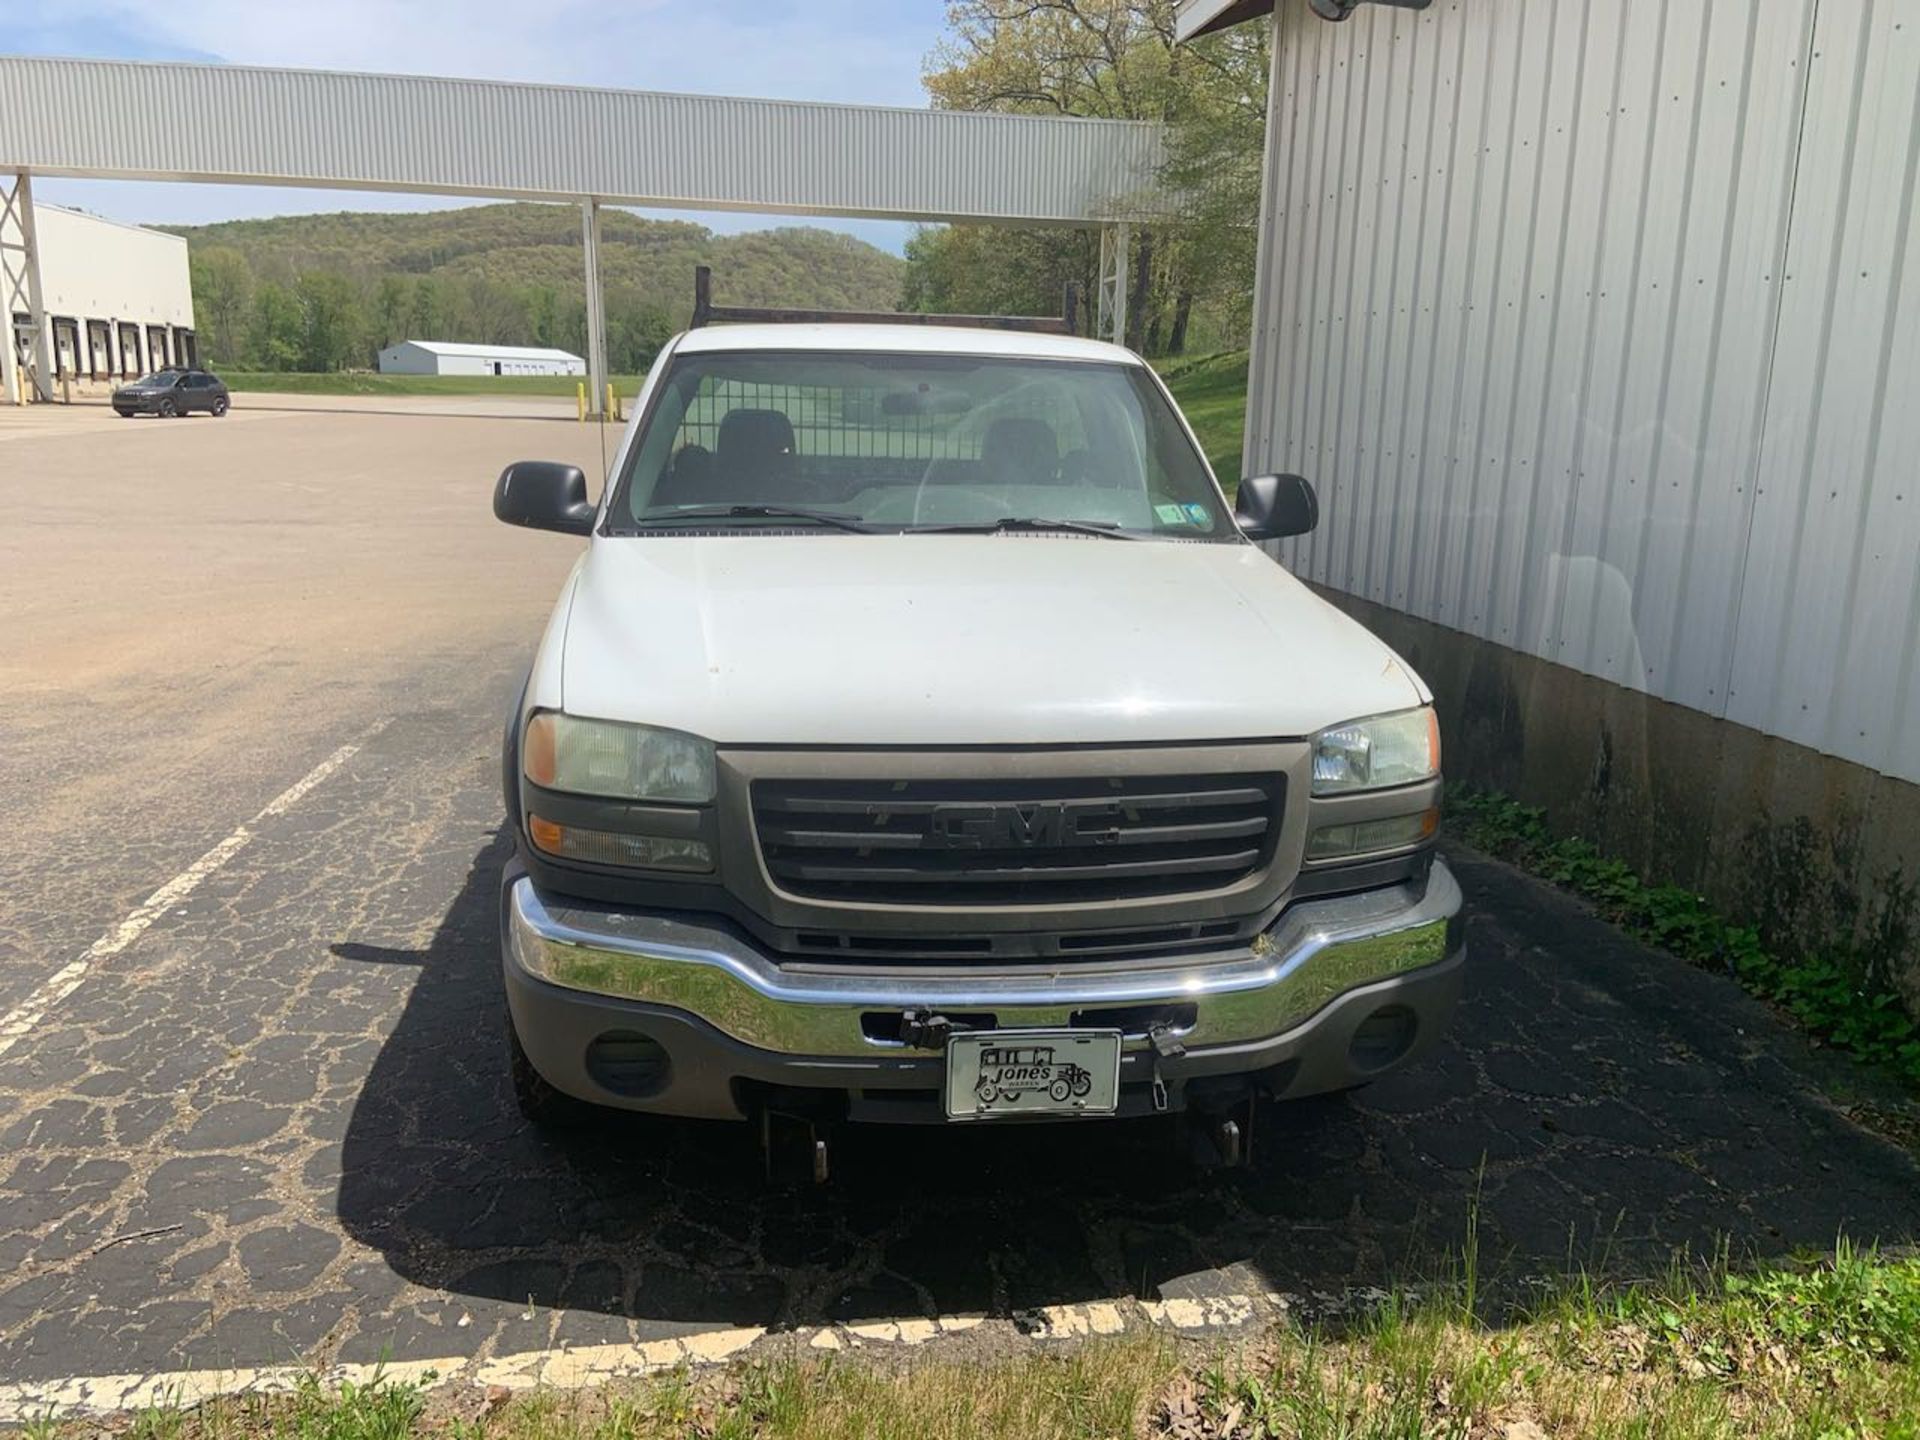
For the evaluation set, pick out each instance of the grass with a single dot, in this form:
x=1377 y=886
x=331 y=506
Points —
x=345 y=382
x=1212 y=391
x=1832 y=988
x=1826 y=1347
x=1830 y=1348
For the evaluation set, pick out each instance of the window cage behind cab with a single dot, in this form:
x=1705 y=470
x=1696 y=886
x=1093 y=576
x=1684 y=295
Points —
x=705 y=312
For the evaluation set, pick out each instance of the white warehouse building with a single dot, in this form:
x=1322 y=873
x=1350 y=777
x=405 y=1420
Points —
x=118 y=299
x=446 y=357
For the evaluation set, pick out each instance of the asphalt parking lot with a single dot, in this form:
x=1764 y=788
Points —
x=268 y=1120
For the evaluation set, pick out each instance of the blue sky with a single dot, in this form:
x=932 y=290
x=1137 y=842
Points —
x=787 y=49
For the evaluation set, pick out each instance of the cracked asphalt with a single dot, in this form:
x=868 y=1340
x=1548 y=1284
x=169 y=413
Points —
x=277 y=1126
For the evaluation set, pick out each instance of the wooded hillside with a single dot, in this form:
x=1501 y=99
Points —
x=319 y=292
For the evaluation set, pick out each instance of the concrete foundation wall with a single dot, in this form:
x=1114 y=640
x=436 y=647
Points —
x=1680 y=795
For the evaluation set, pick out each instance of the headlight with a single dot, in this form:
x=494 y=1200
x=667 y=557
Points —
x=1376 y=753
x=620 y=762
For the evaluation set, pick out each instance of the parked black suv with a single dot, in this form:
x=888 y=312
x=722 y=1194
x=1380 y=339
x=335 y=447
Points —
x=173 y=391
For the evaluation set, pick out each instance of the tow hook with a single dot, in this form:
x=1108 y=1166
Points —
x=1228 y=1142
x=1165 y=1047
x=783 y=1134
x=925 y=1030
x=1228 y=1134
x=1165 y=1043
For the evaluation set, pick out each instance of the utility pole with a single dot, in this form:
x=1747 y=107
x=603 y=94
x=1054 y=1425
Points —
x=596 y=310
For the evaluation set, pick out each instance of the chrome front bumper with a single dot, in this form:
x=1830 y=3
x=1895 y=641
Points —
x=1316 y=952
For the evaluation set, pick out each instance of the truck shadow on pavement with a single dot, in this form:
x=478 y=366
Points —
x=1596 y=1106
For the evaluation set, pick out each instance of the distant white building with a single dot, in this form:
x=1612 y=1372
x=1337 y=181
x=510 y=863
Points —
x=447 y=357
x=118 y=299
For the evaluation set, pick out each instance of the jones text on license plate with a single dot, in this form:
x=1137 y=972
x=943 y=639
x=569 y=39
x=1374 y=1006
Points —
x=994 y=1073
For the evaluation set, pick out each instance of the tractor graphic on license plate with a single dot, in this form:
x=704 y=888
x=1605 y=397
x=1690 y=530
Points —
x=1009 y=1072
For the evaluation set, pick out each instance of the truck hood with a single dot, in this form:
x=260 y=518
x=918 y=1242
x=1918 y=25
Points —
x=963 y=640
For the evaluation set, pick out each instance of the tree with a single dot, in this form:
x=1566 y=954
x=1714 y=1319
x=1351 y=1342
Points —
x=1117 y=59
x=222 y=293
x=636 y=329
x=274 y=336
x=498 y=314
x=392 y=310
x=992 y=270
x=1216 y=142
x=333 y=324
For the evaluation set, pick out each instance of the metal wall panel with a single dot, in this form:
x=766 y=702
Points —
x=1593 y=322
x=547 y=142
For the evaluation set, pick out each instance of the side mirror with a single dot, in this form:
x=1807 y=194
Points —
x=544 y=495
x=1270 y=506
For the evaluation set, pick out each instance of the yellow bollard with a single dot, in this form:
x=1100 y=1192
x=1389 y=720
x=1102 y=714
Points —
x=580 y=401
x=608 y=412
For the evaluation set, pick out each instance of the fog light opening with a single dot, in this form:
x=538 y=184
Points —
x=629 y=1063
x=1383 y=1038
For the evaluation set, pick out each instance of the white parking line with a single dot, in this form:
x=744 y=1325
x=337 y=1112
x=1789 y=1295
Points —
x=24 y=1017
x=574 y=1367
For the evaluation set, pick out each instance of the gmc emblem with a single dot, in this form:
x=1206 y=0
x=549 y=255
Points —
x=1031 y=826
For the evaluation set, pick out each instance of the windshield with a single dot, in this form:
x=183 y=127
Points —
x=162 y=377
x=901 y=442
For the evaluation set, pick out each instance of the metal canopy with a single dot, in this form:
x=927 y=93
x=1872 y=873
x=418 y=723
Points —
x=245 y=125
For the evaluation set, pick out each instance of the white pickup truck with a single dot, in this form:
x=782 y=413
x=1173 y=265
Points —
x=922 y=737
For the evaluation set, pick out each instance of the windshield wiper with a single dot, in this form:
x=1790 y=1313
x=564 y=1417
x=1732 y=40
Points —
x=759 y=512
x=1105 y=529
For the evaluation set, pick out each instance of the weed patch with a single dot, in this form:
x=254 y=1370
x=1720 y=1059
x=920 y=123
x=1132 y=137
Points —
x=1834 y=979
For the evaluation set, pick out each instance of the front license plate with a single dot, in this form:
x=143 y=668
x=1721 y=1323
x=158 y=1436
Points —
x=991 y=1073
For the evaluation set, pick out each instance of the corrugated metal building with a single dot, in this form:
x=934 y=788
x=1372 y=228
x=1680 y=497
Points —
x=448 y=357
x=1595 y=326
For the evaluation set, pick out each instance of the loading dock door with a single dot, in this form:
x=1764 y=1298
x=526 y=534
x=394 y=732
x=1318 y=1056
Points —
x=156 y=346
x=99 y=349
x=66 y=347
x=129 y=349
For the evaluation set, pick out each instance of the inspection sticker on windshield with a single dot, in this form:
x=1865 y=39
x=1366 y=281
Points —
x=994 y=1073
x=1173 y=514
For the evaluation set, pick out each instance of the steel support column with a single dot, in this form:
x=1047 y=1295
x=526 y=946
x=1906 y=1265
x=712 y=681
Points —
x=596 y=310
x=1111 y=313
x=20 y=292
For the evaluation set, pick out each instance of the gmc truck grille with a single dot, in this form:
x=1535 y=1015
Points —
x=1015 y=842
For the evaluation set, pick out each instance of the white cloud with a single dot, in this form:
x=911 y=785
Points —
x=829 y=50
